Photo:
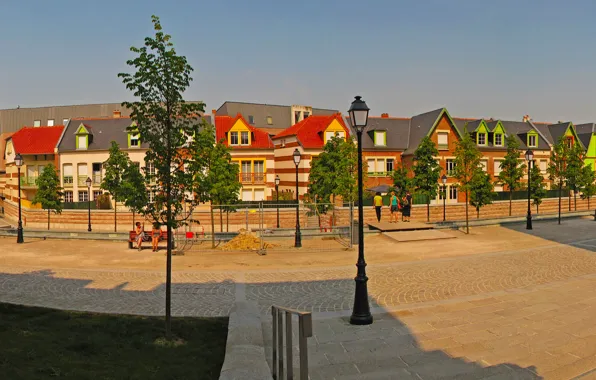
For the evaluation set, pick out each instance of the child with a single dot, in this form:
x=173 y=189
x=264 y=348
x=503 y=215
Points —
x=140 y=234
x=155 y=234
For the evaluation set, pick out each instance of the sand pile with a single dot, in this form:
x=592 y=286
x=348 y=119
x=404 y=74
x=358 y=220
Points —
x=245 y=241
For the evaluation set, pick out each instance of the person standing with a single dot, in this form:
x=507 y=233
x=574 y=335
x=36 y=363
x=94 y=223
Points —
x=407 y=206
x=378 y=205
x=140 y=231
x=394 y=203
x=155 y=235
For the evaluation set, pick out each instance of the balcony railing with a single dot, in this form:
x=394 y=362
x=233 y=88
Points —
x=96 y=179
x=81 y=180
x=379 y=174
x=67 y=179
x=252 y=178
x=28 y=181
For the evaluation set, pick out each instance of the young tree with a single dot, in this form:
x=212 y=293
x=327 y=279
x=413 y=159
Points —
x=573 y=168
x=426 y=171
x=511 y=170
x=48 y=191
x=556 y=168
x=165 y=122
x=134 y=190
x=586 y=183
x=347 y=181
x=467 y=162
x=115 y=166
x=215 y=176
x=481 y=190
x=538 y=186
x=401 y=180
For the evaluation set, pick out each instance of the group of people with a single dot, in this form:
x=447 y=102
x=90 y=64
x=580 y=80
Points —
x=396 y=206
x=155 y=234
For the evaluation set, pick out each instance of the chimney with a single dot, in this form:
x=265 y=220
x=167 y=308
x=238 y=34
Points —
x=384 y=116
x=117 y=114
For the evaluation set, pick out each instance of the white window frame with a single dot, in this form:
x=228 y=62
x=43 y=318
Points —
x=37 y=123
x=135 y=137
x=444 y=145
x=483 y=135
x=244 y=134
x=232 y=134
x=447 y=165
x=501 y=136
x=83 y=193
x=68 y=196
x=532 y=144
x=380 y=137
x=50 y=122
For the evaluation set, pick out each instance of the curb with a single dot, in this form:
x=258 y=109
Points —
x=245 y=349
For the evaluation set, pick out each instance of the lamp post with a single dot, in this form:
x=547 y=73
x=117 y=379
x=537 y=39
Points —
x=298 y=241
x=88 y=182
x=444 y=180
x=277 y=197
x=361 y=312
x=18 y=160
x=529 y=157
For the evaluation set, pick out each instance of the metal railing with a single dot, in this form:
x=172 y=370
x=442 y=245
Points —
x=81 y=180
x=28 y=181
x=67 y=179
x=304 y=331
x=380 y=174
x=252 y=178
x=96 y=179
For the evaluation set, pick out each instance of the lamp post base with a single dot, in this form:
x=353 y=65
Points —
x=361 y=313
x=298 y=240
x=528 y=222
x=20 y=239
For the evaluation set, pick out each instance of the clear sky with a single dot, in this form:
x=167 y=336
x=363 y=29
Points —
x=500 y=59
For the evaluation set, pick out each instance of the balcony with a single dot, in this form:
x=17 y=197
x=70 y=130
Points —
x=67 y=180
x=96 y=179
x=379 y=174
x=28 y=181
x=252 y=178
x=81 y=180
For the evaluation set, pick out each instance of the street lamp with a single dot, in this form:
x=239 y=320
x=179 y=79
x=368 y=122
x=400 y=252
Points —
x=298 y=241
x=277 y=197
x=88 y=182
x=18 y=160
x=361 y=312
x=529 y=157
x=444 y=180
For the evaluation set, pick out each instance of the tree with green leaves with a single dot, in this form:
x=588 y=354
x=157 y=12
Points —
x=481 y=190
x=511 y=170
x=115 y=167
x=556 y=168
x=165 y=122
x=215 y=176
x=134 y=190
x=402 y=182
x=467 y=162
x=538 y=187
x=426 y=171
x=586 y=183
x=48 y=192
x=573 y=169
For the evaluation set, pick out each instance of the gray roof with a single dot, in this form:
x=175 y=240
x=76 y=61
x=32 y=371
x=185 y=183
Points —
x=472 y=125
x=553 y=132
x=520 y=130
x=397 y=133
x=585 y=132
x=420 y=125
x=280 y=115
x=104 y=131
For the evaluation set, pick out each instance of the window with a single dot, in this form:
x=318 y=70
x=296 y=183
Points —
x=482 y=139
x=233 y=138
x=246 y=171
x=96 y=194
x=37 y=123
x=484 y=165
x=134 y=140
x=499 y=139
x=244 y=138
x=68 y=196
x=259 y=168
x=269 y=120
x=67 y=174
x=443 y=140
x=543 y=165
x=569 y=142
x=296 y=117
x=82 y=142
x=50 y=122
x=306 y=114
x=450 y=166
x=328 y=136
x=380 y=167
x=452 y=193
x=83 y=196
x=532 y=141
x=371 y=165
x=96 y=168
x=82 y=174
x=389 y=165
x=380 y=138
x=151 y=196
x=64 y=121
x=497 y=167
x=251 y=119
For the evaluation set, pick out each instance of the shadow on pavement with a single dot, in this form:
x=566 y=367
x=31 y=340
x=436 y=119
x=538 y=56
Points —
x=571 y=231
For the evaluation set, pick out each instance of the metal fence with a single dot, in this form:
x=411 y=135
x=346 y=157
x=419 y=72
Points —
x=265 y=226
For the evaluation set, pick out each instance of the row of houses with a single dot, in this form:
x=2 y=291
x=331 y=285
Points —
x=263 y=138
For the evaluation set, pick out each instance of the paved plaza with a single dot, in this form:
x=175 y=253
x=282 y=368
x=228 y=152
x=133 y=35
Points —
x=500 y=302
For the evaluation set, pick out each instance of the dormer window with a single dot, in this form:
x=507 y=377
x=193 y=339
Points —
x=233 y=138
x=82 y=138
x=269 y=120
x=244 y=138
x=133 y=140
x=482 y=138
x=380 y=138
x=532 y=141
x=498 y=139
x=569 y=142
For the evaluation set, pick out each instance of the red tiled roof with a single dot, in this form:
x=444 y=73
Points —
x=260 y=138
x=309 y=131
x=37 y=140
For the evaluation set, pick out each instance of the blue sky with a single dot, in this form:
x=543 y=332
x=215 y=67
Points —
x=499 y=59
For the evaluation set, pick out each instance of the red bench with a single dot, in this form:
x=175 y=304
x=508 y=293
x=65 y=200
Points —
x=132 y=237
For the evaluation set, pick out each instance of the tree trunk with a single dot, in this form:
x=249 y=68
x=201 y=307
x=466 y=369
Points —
x=569 y=200
x=48 y=219
x=467 y=217
x=332 y=213
x=212 y=227
x=228 y=221
x=588 y=202
x=133 y=220
x=560 y=195
x=220 y=219
x=428 y=210
x=536 y=208
x=477 y=213
x=510 y=200
x=169 y=275
x=574 y=200
x=115 y=215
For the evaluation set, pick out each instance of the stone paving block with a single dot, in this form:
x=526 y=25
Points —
x=575 y=369
x=447 y=368
x=373 y=364
x=425 y=357
x=401 y=374
x=333 y=371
